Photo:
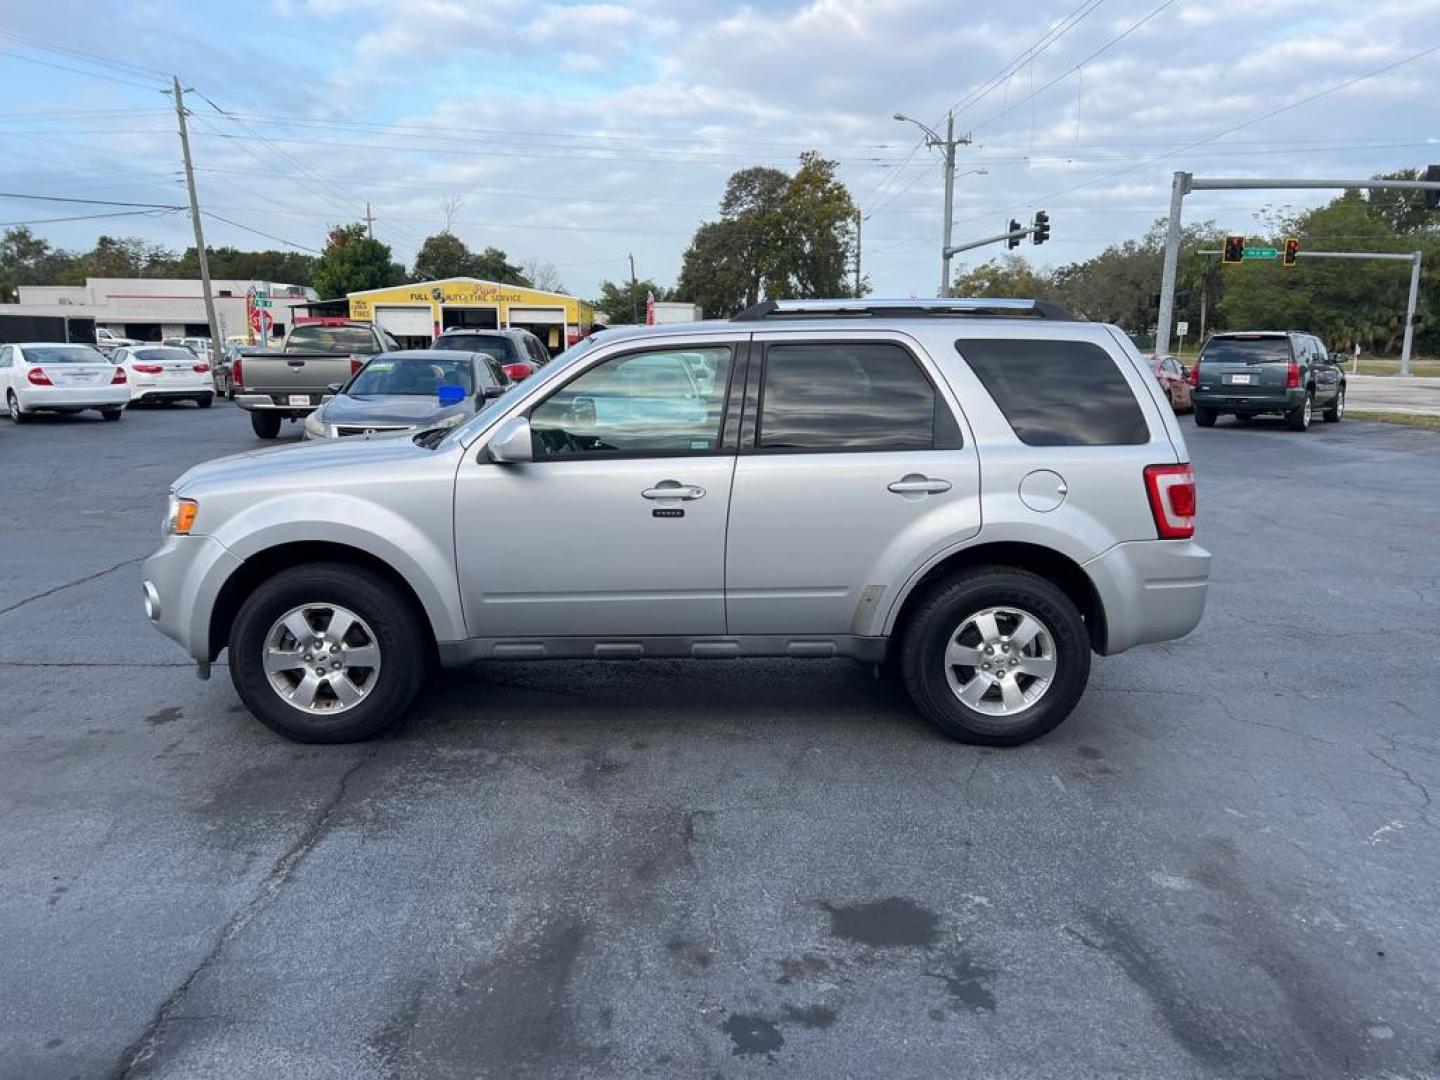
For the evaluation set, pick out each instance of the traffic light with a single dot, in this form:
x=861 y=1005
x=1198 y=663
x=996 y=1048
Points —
x=1042 y=227
x=1234 y=250
x=1291 y=254
x=1432 y=198
x=1014 y=240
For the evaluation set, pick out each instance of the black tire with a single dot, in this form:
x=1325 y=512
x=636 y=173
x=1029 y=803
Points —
x=204 y=401
x=112 y=414
x=399 y=634
x=1336 y=412
x=265 y=424
x=1204 y=417
x=941 y=614
x=12 y=405
x=1298 y=418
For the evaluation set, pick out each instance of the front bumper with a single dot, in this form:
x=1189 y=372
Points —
x=1151 y=590
x=180 y=584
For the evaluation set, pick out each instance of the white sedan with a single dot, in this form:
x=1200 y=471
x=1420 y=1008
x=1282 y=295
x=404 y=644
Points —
x=47 y=376
x=163 y=373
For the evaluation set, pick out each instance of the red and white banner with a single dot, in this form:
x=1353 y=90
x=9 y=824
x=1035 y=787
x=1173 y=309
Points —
x=649 y=308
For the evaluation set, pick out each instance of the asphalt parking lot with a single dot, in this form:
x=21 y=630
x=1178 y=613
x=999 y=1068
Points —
x=1225 y=864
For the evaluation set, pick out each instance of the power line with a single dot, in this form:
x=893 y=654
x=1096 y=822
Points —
x=75 y=71
x=257 y=232
x=90 y=58
x=91 y=202
x=91 y=217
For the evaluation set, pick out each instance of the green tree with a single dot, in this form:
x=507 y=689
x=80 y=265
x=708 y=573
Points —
x=287 y=267
x=1009 y=276
x=352 y=261
x=443 y=255
x=620 y=301
x=26 y=259
x=492 y=264
x=778 y=236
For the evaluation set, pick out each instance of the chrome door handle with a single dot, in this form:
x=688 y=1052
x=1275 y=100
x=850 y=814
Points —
x=670 y=490
x=919 y=485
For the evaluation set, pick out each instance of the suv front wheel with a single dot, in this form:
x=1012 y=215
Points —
x=327 y=653
x=996 y=656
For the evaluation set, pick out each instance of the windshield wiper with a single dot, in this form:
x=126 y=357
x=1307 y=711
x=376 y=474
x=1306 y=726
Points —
x=431 y=438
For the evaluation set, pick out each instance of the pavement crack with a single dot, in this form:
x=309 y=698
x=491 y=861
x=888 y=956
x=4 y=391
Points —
x=1424 y=808
x=70 y=585
x=144 y=1047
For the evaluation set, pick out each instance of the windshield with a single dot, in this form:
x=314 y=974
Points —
x=336 y=339
x=501 y=348
x=418 y=376
x=1255 y=350
x=64 y=354
x=173 y=356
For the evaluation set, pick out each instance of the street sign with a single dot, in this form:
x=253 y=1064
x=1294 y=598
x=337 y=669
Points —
x=1182 y=328
x=1260 y=253
x=262 y=301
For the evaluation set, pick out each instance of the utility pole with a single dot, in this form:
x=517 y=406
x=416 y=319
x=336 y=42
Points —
x=947 y=146
x=634 y=294
x=369 y=221
x=216 y=343
x=858 y=219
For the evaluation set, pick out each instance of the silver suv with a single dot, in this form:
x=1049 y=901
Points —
x=977 y=494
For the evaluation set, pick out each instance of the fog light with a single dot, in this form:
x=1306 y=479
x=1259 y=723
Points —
x=152 y=602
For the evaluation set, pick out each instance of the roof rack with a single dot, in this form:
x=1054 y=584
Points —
x=946 y=307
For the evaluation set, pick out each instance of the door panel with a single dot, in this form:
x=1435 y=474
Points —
x=574 y=548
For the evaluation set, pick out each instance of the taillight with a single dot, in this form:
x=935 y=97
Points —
x=355 y=365
x=1171 y=489
x=235 y=379
x=1292 y=376
x=1194 y=377
x=201 y=369
x=118 y=377
x=38 y=377
x=517 y=372
x=149 y=369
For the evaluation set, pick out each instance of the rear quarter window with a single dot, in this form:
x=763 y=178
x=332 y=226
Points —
x=1057 y=393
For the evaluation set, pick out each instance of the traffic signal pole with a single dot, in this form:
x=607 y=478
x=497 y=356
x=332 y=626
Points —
x=1183 y=183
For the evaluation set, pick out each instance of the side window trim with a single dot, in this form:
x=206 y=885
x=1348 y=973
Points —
x=738 y=355
x=951 y=438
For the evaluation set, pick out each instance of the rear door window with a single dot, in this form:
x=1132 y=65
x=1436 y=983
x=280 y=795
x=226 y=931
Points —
x=849 y=397
x=1057 y=393
x=1247 y=350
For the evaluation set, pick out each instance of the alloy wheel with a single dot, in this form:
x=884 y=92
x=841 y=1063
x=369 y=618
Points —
x=321 y=658
x=1000 y=661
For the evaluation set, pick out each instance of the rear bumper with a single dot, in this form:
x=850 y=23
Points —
x=80 y=397
x=1152 y=590
x=180 y=584
x=164 y=392
x=268 y=403
x=1274 y=401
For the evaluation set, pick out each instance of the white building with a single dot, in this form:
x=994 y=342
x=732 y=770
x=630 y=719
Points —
x=149 y=309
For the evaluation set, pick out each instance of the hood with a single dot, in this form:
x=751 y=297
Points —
x=391 y=409
x=257 y=468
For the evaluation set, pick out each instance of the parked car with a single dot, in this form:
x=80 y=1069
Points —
x=106 y=339
x=273 y=385
x=412 y=390
x=49 y=377
x=159 y=373
x=1248 y=374
x=520 y=352
x=899 y=482
x=1174 y=379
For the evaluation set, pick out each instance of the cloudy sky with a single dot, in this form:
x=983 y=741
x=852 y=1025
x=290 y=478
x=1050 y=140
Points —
x=579 y=133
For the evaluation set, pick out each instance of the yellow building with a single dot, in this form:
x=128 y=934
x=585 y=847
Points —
x=416 y=314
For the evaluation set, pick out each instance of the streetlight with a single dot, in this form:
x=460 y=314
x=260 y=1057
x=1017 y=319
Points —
x=947 y=144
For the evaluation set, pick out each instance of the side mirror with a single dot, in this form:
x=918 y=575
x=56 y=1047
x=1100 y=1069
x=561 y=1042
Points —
x=489 y=392
x=511 y=444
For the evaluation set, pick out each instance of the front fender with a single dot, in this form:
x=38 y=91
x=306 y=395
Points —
x=423 y=556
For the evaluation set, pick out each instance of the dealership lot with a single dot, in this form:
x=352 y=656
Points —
x=1224 y=864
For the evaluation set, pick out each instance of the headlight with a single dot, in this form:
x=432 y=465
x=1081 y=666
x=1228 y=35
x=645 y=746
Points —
x=180 y=516
x=314 y=425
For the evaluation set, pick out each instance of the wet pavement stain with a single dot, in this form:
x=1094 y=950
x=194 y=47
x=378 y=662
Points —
x=816 y=1017
x=752 y=1035
x=885 y=924
x=967 y=983
x=798 y=968
x=167 y=715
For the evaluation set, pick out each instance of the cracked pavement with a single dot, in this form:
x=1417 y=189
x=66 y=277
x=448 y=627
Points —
x=1225 y=864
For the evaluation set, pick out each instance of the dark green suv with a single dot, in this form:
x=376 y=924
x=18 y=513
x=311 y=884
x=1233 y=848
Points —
x=1284 y=372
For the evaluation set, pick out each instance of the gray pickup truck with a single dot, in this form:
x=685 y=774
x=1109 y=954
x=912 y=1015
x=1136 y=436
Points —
x=290 y=383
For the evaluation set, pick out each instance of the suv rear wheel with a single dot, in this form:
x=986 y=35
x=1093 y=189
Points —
x=996 y=656
x=327 y=653
x=1298 y=418
x=1204 y=417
